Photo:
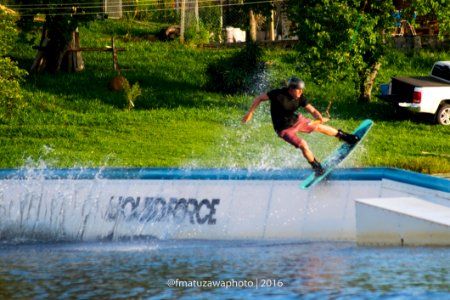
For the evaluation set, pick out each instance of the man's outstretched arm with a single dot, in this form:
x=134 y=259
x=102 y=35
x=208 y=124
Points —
x=256 y=102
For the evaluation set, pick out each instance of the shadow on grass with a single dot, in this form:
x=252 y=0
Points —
x=157 y=92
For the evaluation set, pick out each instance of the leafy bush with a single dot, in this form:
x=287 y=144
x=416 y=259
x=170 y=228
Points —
x=10 y=75
x=195 y=36
x=237 y=73
x=131 y=93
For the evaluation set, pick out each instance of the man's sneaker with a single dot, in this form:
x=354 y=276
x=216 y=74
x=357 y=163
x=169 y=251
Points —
x=317 y=167
x=347 y=137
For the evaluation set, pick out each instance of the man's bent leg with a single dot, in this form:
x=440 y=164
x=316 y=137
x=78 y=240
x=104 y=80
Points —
x=325 y=129
x=290 y=136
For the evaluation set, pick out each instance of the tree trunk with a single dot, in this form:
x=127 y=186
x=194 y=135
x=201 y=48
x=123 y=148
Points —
x=55 y=50
x=53 y=55
x=73 y=61
x=367 y=83
x=253 y=27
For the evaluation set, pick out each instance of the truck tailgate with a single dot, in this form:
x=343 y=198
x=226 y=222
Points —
x=402 y=88
x=420 y=81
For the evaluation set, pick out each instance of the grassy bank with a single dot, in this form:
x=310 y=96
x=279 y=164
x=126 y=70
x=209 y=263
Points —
x=73 y=120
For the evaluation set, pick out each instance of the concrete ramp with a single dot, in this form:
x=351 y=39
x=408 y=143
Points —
x=402 y=221
x=97 y=204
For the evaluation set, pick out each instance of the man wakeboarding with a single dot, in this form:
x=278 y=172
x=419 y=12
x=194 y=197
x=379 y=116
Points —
x=284 y=103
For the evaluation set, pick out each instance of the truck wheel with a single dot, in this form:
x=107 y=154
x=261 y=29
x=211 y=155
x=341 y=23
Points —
x=443 y=115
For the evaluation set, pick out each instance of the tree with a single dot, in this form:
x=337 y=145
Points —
x=244 y=15
x=342 y=39
x=59 y=28
x=10 y=75
x=436 y=8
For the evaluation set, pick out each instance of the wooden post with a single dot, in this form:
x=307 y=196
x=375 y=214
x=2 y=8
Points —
x=183 y=14
x=253 y=27
x=78 y=59
x=73 y=60
x=221 y=21
x=197 y=16
x=114 y=54
x=272 y=26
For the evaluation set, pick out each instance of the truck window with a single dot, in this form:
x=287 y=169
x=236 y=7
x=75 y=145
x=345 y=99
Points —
x=441 y=71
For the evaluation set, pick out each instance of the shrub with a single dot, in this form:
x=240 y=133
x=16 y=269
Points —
x=237 y=73
x=10 y=75
x=194 y=36
x=131 y=93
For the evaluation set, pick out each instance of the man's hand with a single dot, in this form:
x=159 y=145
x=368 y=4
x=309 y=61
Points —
x=248 y=116
x=323 y=121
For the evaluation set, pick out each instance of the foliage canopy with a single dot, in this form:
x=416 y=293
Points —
x=438 y=9
x=341 y=39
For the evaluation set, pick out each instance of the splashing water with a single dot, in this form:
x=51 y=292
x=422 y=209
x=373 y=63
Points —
x=260 y=80
x=38 y=203
x=266 y=150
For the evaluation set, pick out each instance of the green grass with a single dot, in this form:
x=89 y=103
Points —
x=73 y=120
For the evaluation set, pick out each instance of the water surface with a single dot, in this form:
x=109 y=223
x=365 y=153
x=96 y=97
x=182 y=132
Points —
x=158 y=269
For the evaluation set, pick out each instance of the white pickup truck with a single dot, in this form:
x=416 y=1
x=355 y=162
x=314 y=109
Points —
x=423 y=94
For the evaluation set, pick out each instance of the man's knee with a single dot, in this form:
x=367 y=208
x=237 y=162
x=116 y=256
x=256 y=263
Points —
x=302 y=145
x=293 y=139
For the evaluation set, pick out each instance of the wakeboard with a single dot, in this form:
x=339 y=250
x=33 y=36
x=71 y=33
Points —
x=338 y=156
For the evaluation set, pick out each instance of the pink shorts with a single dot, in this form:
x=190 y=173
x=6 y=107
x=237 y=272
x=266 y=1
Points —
x=302 y=125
